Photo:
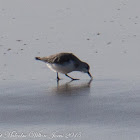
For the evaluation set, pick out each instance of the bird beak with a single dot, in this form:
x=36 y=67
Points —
x=90 y=75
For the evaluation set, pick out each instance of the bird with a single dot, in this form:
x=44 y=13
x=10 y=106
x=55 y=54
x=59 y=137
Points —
x=65 y=63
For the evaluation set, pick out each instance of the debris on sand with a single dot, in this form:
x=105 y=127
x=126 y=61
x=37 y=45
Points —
x=124 y=51
x=108 y=43
x=9 y=49
x=19 y=40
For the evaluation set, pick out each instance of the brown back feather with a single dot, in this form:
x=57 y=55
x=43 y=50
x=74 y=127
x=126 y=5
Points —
x=60 y=58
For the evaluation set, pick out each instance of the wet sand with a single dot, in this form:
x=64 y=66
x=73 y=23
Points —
x=105 y=34
x=101 y=109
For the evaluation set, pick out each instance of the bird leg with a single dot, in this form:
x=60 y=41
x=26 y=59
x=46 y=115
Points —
x=71 y=77
x=58 y=77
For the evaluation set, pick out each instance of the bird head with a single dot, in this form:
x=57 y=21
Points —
x=85 y=68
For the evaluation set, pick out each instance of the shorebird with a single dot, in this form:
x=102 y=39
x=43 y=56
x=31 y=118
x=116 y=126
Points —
x=65 y=63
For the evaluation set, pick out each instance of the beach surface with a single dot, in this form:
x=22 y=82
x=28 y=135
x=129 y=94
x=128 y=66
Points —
x=105 y=34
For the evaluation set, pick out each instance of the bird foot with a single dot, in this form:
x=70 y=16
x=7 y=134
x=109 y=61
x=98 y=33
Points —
x=74 y=79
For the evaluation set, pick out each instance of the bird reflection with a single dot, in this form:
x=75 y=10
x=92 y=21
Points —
x=72 y=88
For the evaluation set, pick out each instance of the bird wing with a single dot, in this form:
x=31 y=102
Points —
x=60 y=58
x=65 y=57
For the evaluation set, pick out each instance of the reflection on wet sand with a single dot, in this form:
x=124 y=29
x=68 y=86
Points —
x=72 y=87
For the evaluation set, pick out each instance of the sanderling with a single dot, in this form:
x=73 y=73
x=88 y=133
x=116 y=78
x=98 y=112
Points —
x=65 y=63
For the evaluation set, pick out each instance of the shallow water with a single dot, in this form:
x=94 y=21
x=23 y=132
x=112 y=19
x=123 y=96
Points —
x=99 y=108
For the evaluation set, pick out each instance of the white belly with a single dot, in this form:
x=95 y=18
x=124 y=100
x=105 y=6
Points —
x=65 y=68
